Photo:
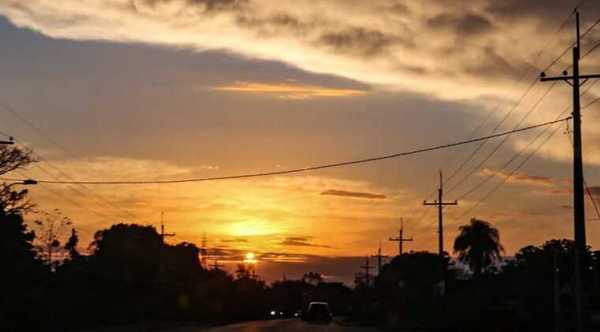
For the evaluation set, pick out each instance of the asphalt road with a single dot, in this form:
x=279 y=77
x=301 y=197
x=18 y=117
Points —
x=286 y=325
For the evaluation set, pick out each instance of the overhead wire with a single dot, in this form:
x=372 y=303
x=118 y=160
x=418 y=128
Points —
x=300 y=170
x=507 y=177
x=69 y=200
x=502 y=142
x=494 y=189
x=522 y=97
x=11 y=110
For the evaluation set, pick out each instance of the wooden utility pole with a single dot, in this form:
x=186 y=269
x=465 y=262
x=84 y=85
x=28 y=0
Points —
x=576 y=82
x=162 y=265
x=400 y=239
x=162 y=228
x=204 y=252
x=367 y=273
x=379 y=257
x=215 y=265
x=440 y=205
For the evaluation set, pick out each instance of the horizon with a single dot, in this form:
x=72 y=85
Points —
x=175 y=90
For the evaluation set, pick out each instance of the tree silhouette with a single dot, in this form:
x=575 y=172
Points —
x=71 y=245
x=22 y=274
x=50 y=230
x=312 y=278
x=478 y=245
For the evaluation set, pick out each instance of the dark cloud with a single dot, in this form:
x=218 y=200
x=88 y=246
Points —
x=463 y=26
x=547 y=14
x=296 y=241
x=278 y=20
x=332 y=268
x=299 y=238
x=219 y=4
x=492 y=64
x=344 y=193
x=207 y=6
x=552 y=9
x=223 y=253
x=278 y=24
x=358 y=40
x=235 y=240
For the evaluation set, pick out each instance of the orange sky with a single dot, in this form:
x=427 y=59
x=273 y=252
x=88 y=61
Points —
x=142 y=90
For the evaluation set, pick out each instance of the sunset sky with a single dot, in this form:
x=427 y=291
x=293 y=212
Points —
x=176 y=89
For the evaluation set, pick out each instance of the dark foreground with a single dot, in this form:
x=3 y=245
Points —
x=291 y=325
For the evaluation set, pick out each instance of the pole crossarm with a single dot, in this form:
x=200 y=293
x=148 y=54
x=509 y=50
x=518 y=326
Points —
x=568 y=78
x=400 y=239
x=438 y=203
x=576 y=80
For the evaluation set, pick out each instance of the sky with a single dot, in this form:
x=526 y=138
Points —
x=176 y=89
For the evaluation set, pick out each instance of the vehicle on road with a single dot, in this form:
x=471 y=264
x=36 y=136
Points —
x=275 y=314
x=318 y=312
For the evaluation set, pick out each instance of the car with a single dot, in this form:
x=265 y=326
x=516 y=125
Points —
x=275 y=314
x=318 y=312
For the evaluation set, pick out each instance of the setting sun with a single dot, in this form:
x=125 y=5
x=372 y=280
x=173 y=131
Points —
x=250 y=258
x=390 y=162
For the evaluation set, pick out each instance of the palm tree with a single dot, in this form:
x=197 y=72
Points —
x=478 y=245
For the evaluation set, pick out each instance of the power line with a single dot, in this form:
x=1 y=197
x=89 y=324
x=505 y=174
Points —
x=587 y=188
x=43 y=134
x=591 y=103
x=501 y=143
x=557 y=59
x=587 y=31
x=70 y=200
x=305 y=169
x=506 y=178
x=517 y=155
x=498 y=125
x=528 y=89
x=591 y=49
x=482 y=144
x=76 y=191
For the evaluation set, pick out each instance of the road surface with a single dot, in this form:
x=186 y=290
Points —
x=286 y=325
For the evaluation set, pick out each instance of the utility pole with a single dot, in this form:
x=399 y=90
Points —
x=440 y=205
x=162 y=228
x=379 y=257
x=215 y=265
x=367 y=273
x=204 y=252
x=400 y=239
x=162 y=259
x=576 y=82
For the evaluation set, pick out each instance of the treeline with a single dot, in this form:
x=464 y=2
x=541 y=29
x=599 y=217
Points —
x=132 y=277
x=533 y=291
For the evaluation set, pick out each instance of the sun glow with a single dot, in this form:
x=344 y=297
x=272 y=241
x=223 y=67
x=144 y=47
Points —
x=250 y=258
x=252 y=228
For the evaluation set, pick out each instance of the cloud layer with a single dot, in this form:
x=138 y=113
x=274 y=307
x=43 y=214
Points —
x=352 y=194
x=427 y=46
